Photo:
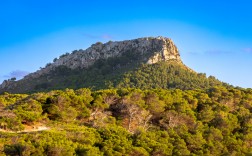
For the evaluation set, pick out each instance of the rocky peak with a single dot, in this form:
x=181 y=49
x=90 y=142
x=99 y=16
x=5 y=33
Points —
x=158 y=49
x=161 y=48
x=167 y=52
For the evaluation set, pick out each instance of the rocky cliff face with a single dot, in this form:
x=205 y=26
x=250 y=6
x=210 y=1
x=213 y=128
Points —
x=150 y=50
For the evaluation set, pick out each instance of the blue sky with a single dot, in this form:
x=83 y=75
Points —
x=214 y=37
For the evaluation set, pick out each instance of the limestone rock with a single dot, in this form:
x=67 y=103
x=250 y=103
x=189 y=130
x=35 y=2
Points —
x=161 y=49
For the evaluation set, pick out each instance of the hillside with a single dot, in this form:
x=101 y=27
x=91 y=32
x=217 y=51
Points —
x=144 y=63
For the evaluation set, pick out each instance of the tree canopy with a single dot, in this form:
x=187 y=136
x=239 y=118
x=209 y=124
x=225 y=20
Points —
x=128 y=121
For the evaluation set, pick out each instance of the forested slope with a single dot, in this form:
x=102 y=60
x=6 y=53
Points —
x=122 y=72
x=214 y=121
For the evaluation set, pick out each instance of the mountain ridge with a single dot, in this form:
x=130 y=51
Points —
x=161 y=48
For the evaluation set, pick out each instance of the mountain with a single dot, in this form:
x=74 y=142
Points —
x=141 y=100
x=139 y=63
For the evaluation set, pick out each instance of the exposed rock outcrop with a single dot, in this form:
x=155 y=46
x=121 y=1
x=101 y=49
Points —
x=160 y=49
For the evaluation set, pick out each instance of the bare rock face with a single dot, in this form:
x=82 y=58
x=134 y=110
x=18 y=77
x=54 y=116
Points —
x=7 y=84
x=4 y=84
x=151 y=50
x=160 y=49
x=168 y=52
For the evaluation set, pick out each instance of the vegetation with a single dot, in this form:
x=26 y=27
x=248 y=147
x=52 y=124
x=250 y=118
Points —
x=128 y=121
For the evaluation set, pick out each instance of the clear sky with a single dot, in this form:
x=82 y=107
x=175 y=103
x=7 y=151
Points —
x=213 y=37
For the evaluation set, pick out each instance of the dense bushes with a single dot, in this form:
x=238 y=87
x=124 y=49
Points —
x=215 y=121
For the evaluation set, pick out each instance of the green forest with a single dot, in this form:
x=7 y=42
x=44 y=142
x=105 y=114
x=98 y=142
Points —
x=127 y=121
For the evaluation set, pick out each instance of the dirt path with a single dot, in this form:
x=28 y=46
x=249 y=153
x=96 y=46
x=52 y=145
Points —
x=39 y=128
x=28 y=129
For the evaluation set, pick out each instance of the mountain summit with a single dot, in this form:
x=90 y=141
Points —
x=101 y=65
x=150 y=50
